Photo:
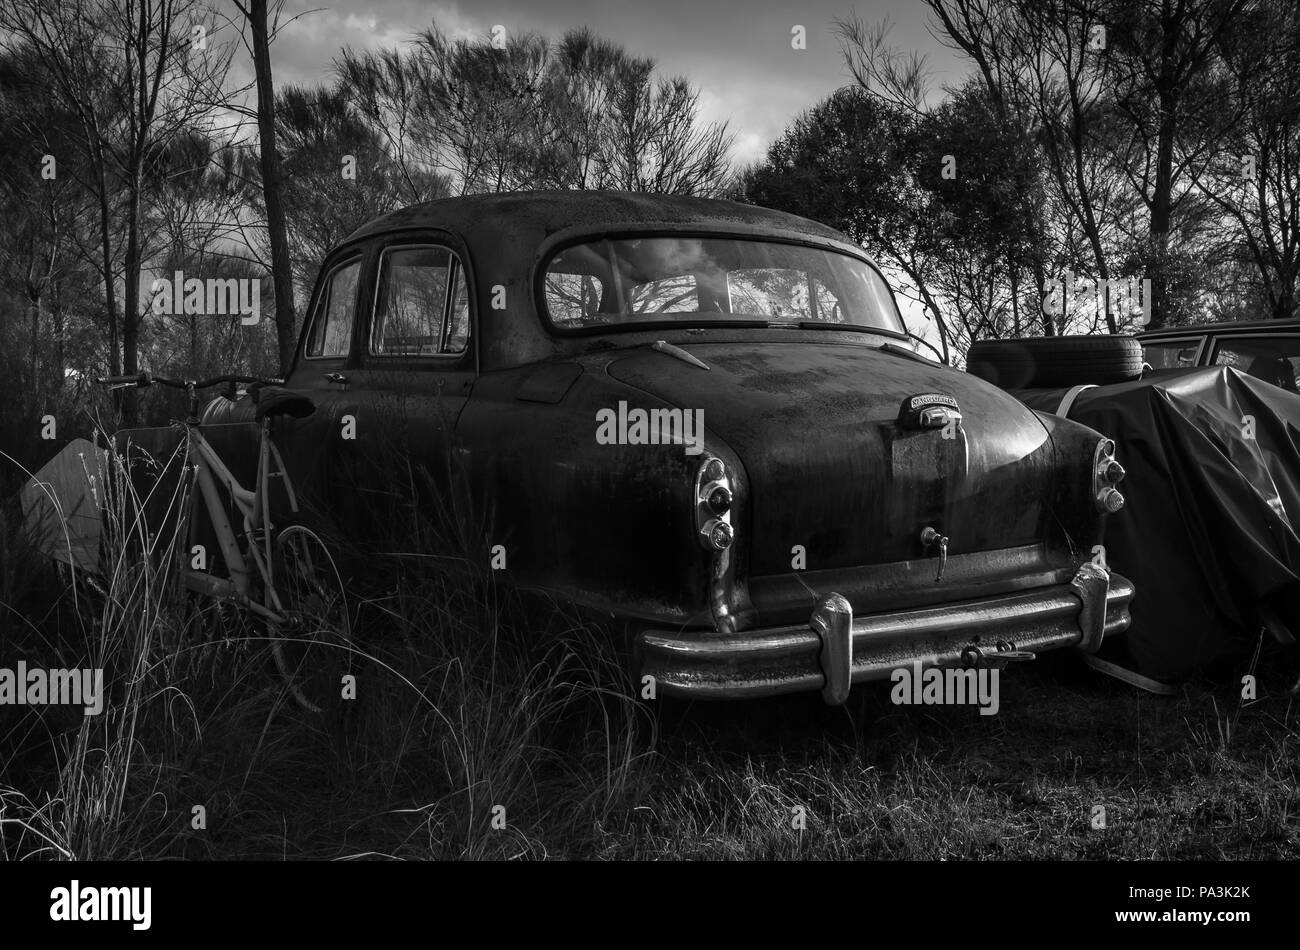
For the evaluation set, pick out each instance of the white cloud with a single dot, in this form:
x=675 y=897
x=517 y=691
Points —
x=749 y=148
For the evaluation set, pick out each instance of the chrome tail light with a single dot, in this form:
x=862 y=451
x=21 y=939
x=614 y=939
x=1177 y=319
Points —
x=713 y=498
x=1106 y=474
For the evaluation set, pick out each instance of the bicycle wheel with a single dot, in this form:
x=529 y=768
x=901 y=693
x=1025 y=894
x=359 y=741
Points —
x=313 y=644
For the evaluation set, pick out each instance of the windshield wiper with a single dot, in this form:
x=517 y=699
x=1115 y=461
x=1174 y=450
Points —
x=823 y=325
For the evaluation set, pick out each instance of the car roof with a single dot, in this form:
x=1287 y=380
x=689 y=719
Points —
x=1231 y=326
x=542 y=213
x=505 y=237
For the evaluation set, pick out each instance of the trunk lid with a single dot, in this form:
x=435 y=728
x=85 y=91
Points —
x=829 y=466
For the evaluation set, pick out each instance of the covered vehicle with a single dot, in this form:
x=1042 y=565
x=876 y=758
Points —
x=1213 y=459
x=706 y=420
x=1214 y=473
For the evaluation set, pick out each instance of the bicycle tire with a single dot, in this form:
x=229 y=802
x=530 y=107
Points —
x=313 y=647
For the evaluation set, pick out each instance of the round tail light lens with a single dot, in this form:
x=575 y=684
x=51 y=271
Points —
x=718 y=535
x=718 y=498
x=1110 y=500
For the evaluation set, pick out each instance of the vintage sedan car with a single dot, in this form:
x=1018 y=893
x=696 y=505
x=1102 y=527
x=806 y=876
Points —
x=706 y=420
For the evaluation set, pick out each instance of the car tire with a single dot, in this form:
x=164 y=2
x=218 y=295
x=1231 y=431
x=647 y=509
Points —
x=1056 y=361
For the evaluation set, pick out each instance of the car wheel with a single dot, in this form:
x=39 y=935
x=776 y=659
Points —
x=1056 y=361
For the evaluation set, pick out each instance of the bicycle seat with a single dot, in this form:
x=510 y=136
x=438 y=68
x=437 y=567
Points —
x=273 y=401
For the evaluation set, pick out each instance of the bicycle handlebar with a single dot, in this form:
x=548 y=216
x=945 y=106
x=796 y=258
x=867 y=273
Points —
x=141 y=380
x=138 y=380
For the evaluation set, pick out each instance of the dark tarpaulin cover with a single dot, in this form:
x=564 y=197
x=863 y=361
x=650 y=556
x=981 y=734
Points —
x=1210 y=534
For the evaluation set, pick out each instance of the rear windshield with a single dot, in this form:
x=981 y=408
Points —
x=687 y=281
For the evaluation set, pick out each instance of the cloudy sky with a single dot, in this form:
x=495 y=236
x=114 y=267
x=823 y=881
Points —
x=737 y=53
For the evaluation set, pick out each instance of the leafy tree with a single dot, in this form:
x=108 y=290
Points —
x=337 y=173
x=135 y=76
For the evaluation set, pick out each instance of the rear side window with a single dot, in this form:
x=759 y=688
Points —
x=458 y=330
x=1275 y=360
x=1171 y=354
x=421 y=304
x=331 y=333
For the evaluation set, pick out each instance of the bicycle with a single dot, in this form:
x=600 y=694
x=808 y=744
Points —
x=279 y=568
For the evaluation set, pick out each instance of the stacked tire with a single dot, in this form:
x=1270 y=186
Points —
x=1052 y=361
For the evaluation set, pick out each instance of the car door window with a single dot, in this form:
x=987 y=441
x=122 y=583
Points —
x=1171 y=354
x=421 y=303
x=331 y=335
x=1275 y=360
x=457 y=335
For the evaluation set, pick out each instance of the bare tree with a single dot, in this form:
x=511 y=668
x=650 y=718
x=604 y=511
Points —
x=136 y=73
x=317 y=129
x=259 y=35
x=1165 y=59
x=1126 y=101
x=1254 y=178
x=1041 y=68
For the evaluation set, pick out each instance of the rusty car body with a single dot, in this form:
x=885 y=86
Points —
x=825 y=504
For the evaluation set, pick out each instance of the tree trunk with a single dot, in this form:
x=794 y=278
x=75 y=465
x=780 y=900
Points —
x=110 y=290
x=272 y=186
x=1161 y=214
x=1040 y=280
x=1015 y=296
x=131 y=301
x=1162 y=194
x=59 y=369
x=35 y=302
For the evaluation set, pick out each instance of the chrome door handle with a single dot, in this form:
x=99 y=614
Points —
x=336 y=378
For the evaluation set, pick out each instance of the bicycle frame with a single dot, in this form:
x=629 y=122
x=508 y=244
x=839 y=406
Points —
x=211 y=476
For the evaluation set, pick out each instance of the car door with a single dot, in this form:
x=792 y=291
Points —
x=314 y=448
x=415 y=369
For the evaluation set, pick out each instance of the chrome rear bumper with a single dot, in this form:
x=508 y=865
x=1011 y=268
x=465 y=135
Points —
x=835 y=649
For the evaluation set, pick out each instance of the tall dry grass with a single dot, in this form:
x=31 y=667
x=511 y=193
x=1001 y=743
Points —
x=484 y=719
